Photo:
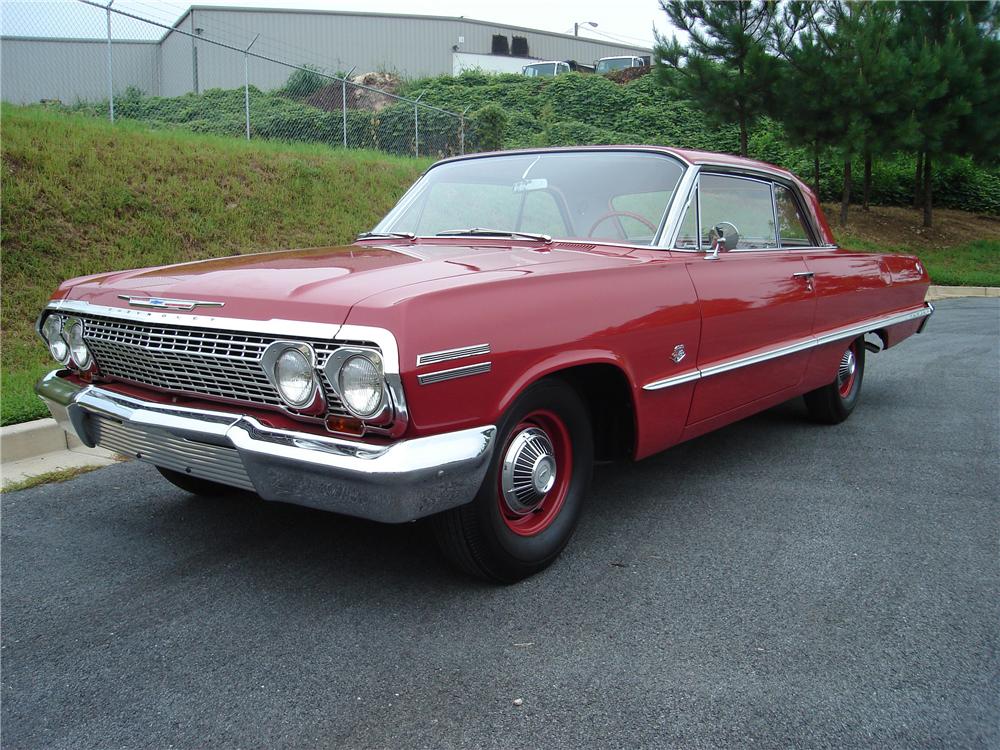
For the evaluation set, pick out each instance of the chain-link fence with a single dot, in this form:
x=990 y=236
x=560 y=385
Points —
x=119 y=63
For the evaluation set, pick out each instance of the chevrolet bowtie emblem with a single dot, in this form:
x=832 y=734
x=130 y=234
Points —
x=168 y=304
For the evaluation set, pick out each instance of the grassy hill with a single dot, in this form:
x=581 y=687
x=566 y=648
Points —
x=81 y=197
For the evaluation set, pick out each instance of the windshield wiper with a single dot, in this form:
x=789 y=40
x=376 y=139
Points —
x=481 y=232
x=401 y=235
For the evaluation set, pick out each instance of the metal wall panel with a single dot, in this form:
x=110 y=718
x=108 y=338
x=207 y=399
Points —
x=33 y=69
x=175 y=63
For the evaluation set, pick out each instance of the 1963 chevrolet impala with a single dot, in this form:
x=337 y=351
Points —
x=514 y=317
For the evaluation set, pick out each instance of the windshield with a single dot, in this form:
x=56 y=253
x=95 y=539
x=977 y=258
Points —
x=614 y=63
x=541 y=69
x=609 y=195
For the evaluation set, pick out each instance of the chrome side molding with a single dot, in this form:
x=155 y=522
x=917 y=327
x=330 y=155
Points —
x=456 y=372
x=446 y=355
x=835 y=334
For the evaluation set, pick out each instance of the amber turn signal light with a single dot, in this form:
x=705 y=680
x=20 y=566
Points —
x=345 y=425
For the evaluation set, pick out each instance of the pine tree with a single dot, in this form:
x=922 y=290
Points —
x=725 y=67
x=952 y=50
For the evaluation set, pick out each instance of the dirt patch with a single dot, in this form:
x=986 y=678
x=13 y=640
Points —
x=627 y=75
x=893 y=225
x=329 y=97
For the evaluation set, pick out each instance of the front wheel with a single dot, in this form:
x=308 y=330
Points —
x=833 y=403
x=194 y=485
x=530 y=501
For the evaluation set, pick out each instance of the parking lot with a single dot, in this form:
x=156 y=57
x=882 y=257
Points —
x=774 y=584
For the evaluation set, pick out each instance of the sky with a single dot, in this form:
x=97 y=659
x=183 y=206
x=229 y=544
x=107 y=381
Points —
x=629 y=22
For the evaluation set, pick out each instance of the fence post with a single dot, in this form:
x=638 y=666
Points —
x=343 y=100
x=461 y=127
x=246 y=81
x=111 y=86
x=416 y=127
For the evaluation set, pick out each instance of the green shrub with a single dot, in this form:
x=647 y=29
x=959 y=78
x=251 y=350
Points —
x=490 y=123
x=305 y=81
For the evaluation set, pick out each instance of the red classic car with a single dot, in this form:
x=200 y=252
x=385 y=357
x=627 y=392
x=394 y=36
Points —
x=514 y=317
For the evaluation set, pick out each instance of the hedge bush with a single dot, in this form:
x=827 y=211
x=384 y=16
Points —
x=567 y=110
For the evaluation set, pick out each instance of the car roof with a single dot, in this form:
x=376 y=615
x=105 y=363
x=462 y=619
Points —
x=689 y=156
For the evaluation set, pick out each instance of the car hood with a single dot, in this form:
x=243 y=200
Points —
x=316 y=284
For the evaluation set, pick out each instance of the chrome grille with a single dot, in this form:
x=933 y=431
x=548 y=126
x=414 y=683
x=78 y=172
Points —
x=195 y=361
x=213 y=462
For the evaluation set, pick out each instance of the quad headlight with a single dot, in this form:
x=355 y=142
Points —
x=52 y=332
x=73 y=336
x=358 y=377
x=291 y=368
x=361 y=385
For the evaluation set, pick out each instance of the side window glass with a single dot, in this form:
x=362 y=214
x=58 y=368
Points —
x=687 y=236
x=791 y=223
x=739 y=206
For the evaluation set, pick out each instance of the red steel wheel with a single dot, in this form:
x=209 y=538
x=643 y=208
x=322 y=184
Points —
x=531 y=498
x=535 y=472
x=848 y=372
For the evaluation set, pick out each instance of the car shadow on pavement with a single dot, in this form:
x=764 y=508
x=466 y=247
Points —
x=328 y=548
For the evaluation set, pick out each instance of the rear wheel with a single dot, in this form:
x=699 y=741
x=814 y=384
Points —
x=833 y=403
x=194 y=485
x=530 y=501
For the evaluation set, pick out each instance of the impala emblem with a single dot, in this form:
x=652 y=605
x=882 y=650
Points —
x=168 y=304
x=678 y=354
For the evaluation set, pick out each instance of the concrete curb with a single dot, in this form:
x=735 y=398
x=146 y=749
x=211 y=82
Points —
x=34 y=448
x=945 y=292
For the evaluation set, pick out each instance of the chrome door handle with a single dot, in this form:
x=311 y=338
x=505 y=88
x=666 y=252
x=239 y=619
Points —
x=803 y=275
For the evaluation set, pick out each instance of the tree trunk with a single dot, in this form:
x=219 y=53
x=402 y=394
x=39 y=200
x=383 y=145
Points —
x=816 y=169
x=918 y=181
x=928 y=218
x=868 y=179
x=743 y=133
x=845 y=199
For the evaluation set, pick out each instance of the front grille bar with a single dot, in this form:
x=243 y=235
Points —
x=209 y=363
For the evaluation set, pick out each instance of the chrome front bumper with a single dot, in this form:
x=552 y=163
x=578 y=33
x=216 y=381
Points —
x=393 y=483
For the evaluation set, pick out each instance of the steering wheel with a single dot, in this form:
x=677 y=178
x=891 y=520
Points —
x=628 y=214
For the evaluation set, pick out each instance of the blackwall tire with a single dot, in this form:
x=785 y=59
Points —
x=833 y=403
x=532 y=496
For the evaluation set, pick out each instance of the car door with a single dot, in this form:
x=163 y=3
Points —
x=757 y=299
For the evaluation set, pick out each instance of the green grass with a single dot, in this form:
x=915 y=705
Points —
x=83 y=197
x=59 y=475
x=975 y=263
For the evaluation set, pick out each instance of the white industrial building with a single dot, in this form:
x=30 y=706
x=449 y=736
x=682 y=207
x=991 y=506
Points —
x=185 y=59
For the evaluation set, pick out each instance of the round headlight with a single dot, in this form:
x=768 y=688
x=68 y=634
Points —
x=294 y=378
x=361 y=385
x=52 y=331
x=73 y=333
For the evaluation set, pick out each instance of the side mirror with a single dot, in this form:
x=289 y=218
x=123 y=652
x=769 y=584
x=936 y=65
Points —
x=723 y=236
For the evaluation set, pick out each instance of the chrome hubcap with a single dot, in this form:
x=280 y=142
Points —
x=529 y=470
x=848 y=364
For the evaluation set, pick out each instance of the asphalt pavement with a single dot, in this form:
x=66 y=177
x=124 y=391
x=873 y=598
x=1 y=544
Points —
x=773 y=584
